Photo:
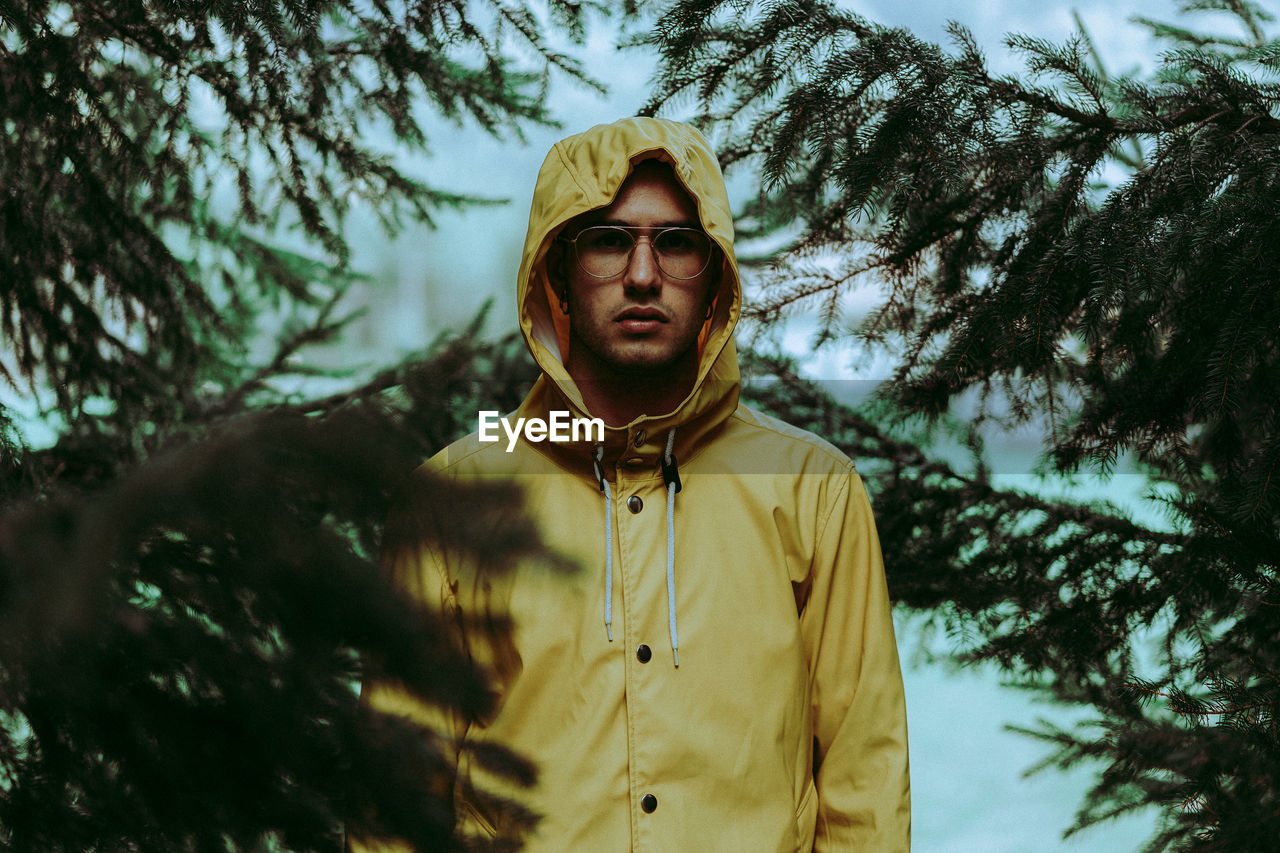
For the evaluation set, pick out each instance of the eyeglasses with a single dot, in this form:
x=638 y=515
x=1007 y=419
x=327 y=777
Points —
x=604 y=251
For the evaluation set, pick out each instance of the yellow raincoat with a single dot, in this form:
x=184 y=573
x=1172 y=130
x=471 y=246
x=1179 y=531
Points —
x=783 y=727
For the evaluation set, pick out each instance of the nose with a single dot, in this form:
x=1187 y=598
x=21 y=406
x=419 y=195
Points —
x=642 y=266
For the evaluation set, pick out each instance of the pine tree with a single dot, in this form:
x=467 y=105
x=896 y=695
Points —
x=1091 y=254
x=188 y=582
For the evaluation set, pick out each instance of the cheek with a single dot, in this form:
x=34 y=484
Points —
x=585 y=301
x=703 y=296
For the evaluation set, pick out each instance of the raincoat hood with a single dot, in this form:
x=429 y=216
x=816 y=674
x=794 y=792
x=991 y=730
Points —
x=584 y=173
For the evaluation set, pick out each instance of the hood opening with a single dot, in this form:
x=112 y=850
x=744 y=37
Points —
x=585 y=173
x=548 y=255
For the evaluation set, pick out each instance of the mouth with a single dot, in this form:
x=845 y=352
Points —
x=641 y=319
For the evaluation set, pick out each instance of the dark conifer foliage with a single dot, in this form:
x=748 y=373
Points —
x=189 y=591
x=123 y=120
x=180 y=645
x=1096 y=255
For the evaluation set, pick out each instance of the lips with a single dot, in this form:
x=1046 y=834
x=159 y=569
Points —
x=640 y=320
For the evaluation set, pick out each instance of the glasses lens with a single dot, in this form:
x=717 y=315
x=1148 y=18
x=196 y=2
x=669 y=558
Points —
x=605 y=250
x=682 y=252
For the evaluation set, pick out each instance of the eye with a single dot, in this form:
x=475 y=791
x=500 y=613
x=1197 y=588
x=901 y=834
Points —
x=604 y=239
x=681 y=241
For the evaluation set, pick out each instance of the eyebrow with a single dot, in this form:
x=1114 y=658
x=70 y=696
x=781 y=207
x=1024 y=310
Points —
x=676 y=223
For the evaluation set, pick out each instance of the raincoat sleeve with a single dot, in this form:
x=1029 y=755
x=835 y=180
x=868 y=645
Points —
x=859 y=712
x=412 y=565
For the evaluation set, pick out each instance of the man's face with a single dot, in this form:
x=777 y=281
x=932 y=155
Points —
x=640 y=321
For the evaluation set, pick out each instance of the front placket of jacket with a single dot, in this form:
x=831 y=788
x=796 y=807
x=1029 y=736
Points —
x=640 y=510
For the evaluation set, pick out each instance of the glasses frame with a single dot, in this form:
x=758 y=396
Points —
x=653 y=233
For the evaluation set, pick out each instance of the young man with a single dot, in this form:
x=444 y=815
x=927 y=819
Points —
x=720 y=673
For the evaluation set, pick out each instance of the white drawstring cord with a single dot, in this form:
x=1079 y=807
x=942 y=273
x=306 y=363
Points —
x=673 y=485
x=608 y=543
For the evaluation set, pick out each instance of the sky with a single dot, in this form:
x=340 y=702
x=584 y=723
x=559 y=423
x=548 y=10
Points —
x=969 y=791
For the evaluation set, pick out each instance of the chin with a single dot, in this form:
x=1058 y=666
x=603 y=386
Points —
x=644 y=362
x=641 y=358
x=643 y=367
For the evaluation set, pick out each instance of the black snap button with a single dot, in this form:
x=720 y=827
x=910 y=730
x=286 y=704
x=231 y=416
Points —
x=635 y=504
x=648 y=802
x=639 y=440
x=644 y=654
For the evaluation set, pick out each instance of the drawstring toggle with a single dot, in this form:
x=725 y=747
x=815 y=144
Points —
x=670 y=472
x=595 y=463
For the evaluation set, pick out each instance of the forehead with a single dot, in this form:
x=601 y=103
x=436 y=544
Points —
x=651 y=195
